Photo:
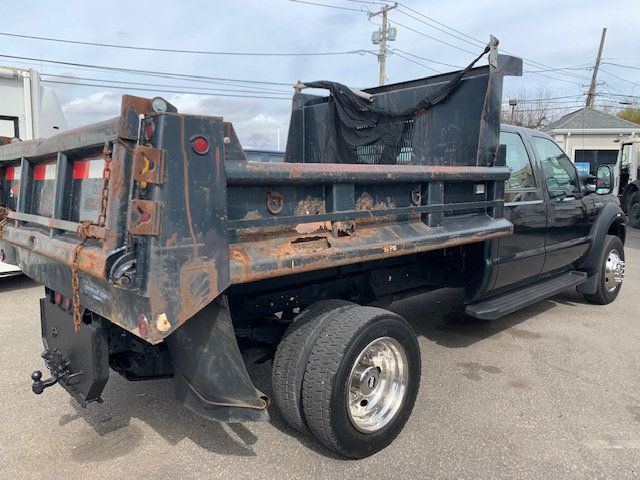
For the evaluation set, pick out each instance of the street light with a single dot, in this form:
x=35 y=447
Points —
x=513 y=102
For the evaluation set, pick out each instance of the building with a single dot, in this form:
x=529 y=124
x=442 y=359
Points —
x=590 y=137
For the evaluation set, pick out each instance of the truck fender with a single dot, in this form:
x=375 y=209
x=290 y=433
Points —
x=610 y=215
x=211 y=377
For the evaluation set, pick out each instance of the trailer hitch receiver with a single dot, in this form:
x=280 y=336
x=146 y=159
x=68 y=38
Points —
x=59 y=367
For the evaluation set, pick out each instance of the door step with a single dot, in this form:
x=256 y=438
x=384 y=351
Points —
x=502 y=305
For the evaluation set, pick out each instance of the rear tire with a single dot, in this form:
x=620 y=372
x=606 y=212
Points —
x=361 y=381
x=633 y=210
x=293 y=354
x=608 y=288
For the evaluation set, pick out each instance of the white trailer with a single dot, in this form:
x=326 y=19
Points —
x=627 y=179
x=27 y=111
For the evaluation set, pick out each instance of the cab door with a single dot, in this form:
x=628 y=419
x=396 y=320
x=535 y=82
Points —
x=570 y=213
x=521 y=255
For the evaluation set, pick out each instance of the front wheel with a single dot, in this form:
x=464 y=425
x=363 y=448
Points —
x=361 y=381
x=611 y=274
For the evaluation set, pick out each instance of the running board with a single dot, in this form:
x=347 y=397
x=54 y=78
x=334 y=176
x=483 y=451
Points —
x=502 y=305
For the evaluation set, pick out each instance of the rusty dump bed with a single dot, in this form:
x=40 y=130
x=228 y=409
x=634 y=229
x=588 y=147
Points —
x=154 y=214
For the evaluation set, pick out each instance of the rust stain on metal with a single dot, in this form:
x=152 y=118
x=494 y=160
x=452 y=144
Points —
x=343 y=229
x=238 y=255
x=198 y=286
x=144 y=217
x=148 y=165
x=187 y=197
x=252 y=215
x=310 y=227
x=292 y=256
x=172 y=241
x=275 y=202
x=310 y=206
x=313 y=244
x=365 y=203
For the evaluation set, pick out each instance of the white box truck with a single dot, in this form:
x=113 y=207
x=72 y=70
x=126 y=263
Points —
x=27 y=111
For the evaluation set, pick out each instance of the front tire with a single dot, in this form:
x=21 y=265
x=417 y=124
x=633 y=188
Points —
x=611 y=273
x=361 y=381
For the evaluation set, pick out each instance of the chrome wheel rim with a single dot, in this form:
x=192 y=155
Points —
x=377 y=385
x=613 y=270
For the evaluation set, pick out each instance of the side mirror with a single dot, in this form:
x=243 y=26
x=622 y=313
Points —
x=604 y=180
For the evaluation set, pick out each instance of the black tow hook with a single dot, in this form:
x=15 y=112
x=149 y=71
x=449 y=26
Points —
x=39 y=385
x=59 y=367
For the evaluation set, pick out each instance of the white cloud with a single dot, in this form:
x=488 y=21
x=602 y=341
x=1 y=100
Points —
x=557 y=36
x=93 y=108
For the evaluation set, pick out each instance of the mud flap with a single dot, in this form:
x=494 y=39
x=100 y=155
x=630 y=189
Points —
x=211 y=377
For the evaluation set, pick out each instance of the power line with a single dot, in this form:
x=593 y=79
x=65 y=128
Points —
x=434 y=38
x=72 y=77
x=427 y=59
x=253 y=88
x=618 y=77
x=210 y=94
x=619 y=95
x=621 y=65
x=175 y=50
x=327 y=5
x=480 y=42
x=145 y=72
x=439 y=29
x=577 y=67
x=395 y=52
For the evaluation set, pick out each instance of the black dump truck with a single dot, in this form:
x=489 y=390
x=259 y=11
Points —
x=164 y=252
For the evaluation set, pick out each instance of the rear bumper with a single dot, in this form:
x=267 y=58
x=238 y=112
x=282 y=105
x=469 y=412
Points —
x=79 y=362
x=211 y=378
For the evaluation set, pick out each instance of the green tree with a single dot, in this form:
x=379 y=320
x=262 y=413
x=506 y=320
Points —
x=630 y=114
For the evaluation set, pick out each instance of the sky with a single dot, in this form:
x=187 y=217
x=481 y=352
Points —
x=550 y=35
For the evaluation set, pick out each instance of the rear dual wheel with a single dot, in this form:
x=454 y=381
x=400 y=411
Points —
x=360 y=379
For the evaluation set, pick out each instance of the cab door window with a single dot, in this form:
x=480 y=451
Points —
x=517 y=161
x=560 y=174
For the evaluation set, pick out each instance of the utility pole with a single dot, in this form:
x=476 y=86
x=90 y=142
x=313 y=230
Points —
x=382 y=36
x=592 y=89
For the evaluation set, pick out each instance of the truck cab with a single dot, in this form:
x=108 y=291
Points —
x=554 y=211
x=627 y=179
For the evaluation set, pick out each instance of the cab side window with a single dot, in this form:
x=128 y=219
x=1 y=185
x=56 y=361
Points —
x=559 y=172
x=518 y=162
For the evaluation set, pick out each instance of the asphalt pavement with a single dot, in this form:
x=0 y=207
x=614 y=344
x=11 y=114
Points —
x=552 y=391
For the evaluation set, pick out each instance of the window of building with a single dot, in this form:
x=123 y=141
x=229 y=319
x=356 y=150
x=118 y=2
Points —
x=595 y=158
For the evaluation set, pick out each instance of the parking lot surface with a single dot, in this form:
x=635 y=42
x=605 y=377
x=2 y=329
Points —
x=552 y=391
